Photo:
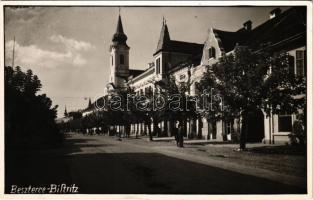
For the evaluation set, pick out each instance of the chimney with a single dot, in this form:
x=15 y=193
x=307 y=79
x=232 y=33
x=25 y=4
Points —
x=275 y=13
x=247 y=25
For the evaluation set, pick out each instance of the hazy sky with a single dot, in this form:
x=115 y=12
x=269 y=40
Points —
x=68 y=47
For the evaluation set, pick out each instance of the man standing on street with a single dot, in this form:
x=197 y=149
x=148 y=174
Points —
x=180 y=135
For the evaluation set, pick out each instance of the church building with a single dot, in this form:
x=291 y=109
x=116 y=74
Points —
x=283 y=31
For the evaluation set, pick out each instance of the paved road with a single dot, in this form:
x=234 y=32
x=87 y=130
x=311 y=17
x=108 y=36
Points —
x=104 y=165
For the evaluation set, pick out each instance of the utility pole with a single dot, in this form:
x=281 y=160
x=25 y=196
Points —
x=13 y=52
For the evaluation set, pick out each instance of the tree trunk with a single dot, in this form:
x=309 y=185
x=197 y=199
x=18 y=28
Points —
x=200 y=126
x=244 y=131
x=150 y=132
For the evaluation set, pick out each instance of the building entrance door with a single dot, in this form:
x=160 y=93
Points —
x=255 y=127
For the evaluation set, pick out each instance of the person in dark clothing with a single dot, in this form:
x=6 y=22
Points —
x=175 y=133
x=180 y=135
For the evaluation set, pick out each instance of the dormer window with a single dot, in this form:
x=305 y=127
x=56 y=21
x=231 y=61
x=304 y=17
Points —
x=211 y=52
x=122 y=59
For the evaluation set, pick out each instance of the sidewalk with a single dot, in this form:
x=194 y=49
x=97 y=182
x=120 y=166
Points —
x=186 y=141
x=276 y=166
x=202 y=142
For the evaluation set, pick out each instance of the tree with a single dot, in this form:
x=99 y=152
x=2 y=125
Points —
x=30 y=118
x=250 y=81
x=178 y=104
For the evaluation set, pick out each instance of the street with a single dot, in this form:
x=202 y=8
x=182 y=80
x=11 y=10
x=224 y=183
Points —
x=104 y=165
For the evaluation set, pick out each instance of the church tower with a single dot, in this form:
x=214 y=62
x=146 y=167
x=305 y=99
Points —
x=119 y=57
x=162 y=53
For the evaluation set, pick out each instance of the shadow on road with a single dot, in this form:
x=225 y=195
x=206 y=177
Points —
x=152 y=173
x=130 y=173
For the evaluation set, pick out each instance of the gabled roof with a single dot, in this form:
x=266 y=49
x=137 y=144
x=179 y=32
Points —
x=283 y=27
x=228 y=40
x=287 y=26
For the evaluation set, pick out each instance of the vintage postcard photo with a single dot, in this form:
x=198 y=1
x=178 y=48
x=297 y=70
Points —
x=157 y=99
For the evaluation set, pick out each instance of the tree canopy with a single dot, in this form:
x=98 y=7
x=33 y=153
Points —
x=30 y=117
x=249 y=81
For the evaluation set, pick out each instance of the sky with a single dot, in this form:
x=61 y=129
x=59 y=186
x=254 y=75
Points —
x=68 y=47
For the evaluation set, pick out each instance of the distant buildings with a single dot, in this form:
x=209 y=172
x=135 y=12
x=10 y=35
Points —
x=284 y=31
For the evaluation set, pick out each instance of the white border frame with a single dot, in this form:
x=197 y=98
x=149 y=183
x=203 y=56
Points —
x=308 y=4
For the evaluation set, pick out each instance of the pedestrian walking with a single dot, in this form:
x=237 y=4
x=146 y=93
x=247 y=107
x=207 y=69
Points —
x=180 y=135
x=175 y=133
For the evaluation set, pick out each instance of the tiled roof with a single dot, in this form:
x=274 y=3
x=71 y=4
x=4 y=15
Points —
x=287 y=26
x=191 y=61
x=283 y=27
x=143 y=74
x=185 y=47
x=168 y=45
x=135 y=72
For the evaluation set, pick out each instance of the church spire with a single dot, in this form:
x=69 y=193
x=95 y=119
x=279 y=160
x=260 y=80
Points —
x=119 y=28
x=164 y=40
x=119 y=36
x=65 y=112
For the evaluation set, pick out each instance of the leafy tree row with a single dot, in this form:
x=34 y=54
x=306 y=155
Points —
x=251 y=81
x=29 y=117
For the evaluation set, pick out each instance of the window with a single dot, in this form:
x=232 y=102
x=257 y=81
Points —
x=212 y=52
x=300 y=60
x=122 y=59
x=182 y=77
x=284 y=123
x=158 y=66
x=291 y=61
x=229 y=127
x=146 y=90
x=150 y=91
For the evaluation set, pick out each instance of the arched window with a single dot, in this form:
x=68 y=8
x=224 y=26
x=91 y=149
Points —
x=212 y=52
x=122 y=59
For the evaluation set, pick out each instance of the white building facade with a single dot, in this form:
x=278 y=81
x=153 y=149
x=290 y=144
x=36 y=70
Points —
x=188 y=62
